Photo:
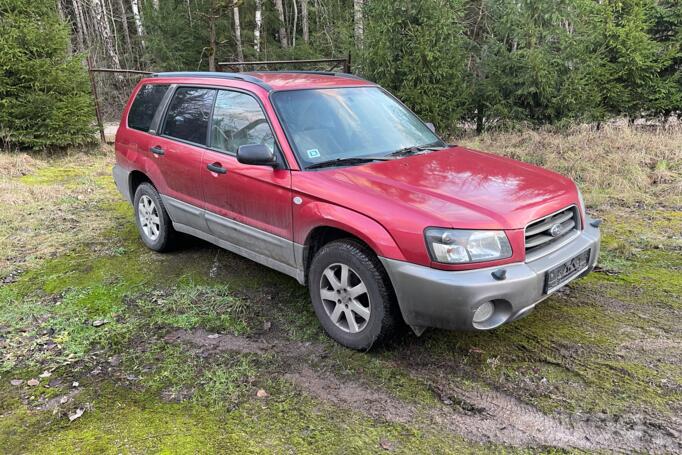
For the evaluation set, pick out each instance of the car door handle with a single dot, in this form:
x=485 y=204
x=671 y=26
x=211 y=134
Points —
x=156 y=150
x=217 y=168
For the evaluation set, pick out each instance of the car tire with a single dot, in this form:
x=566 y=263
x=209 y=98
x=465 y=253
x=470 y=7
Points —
x=374 y=314
x=154 y=225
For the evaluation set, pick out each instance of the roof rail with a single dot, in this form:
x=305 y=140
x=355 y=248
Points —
x=217 y=75
x=323 y=73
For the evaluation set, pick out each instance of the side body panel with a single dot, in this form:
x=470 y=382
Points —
x=252 y=196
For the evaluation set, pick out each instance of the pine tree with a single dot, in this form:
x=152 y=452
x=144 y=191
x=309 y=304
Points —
x=44 y=93
x=633 y=60
x=416 y=50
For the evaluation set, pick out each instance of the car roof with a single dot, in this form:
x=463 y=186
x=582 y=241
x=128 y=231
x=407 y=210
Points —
x=278 y=80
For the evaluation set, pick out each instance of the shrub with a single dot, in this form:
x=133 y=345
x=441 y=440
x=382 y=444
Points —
x=44 y=92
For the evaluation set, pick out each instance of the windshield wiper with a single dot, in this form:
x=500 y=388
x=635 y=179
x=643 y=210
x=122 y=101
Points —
x=347 y=161
x=416 y=149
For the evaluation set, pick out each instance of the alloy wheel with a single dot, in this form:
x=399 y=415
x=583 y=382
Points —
x=345 y=298
x=148 y=215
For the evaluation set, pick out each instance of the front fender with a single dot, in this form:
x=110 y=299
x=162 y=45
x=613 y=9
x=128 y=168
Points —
x=313 y=214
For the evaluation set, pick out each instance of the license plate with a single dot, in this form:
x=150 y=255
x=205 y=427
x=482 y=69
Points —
x=561 y=274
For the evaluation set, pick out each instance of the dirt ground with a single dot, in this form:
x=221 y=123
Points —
x=107 y=347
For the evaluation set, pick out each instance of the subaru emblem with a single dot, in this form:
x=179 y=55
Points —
x=555 y=230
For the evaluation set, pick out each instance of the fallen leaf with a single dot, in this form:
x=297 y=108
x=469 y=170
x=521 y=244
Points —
x=386 y=444
x=262 y=393
x=115 y=361
x=79 y=412
x=99 y=322
x=55 y=382
x=213 y=335
x=33 y=382
x=75 y=384
x=267 y=325
x=64 y=399
x=45 y=374
x=16 y=382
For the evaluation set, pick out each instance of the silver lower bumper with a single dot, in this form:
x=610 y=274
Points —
x=445 y=299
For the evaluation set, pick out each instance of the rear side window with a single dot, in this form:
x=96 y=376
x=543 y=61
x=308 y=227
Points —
x=144 y=107
x=188 y=114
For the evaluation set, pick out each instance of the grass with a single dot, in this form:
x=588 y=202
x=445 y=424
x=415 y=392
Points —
x=614 y=166
x=84 y=301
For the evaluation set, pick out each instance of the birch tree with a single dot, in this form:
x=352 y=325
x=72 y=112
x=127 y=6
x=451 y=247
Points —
x=238 y=33
x=126 y=32
x=105 y=32
x=283 y=37
x=135 y=6
x=257 y=27
x=80 y=25
x=304 y=21
x=358 y=22
x=293 y=34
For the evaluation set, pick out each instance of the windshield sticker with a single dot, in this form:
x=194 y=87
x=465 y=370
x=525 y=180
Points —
x=313 y=153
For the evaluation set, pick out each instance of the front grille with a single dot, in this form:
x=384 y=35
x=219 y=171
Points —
x=549 y=233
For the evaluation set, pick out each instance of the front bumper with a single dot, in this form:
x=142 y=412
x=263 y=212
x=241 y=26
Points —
x=445 y=299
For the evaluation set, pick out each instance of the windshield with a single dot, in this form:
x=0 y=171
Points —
x=339 y=123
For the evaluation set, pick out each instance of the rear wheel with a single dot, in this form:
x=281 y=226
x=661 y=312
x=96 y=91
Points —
x=153 y=223
x=352 y=295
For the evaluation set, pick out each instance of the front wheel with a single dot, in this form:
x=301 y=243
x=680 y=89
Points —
x=352 y=295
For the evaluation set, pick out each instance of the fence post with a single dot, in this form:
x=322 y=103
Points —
x=347 y=65
x=98 y=114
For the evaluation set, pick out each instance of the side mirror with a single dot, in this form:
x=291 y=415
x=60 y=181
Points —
x=256 y=154
x=431 y=126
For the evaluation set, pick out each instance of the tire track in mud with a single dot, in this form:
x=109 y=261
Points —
x=483 y=416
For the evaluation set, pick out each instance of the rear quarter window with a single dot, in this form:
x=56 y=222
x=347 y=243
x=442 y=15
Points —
x=145 y=105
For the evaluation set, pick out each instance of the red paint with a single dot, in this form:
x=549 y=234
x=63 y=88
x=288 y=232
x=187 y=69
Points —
x=386 y=204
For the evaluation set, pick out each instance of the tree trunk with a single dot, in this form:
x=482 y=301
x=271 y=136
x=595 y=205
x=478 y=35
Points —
x=81 y=31
x=212 y=42
x=283 y=38
x=257 y=28
x=135 y=6
x=304 y=21
x=111 y=16
x=293 y=34
x=238 y=34
x=358 y=22
x=126 y=32
x=155 y=4
x=105 y=32
x=189 y=12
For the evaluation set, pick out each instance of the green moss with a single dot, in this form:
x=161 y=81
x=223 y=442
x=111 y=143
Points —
x=54 y=175
x=121 y=421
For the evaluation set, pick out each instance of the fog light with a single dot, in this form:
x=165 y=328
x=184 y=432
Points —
x=483 y=312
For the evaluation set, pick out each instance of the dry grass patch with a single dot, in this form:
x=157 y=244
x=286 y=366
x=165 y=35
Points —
x=620 y=165
x=50 y=205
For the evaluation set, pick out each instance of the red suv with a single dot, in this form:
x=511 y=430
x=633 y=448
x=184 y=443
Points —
x=328 y=178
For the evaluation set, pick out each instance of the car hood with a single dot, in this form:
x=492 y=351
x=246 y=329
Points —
x=454 y=187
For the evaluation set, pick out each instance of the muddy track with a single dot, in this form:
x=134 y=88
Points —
x=479 y=415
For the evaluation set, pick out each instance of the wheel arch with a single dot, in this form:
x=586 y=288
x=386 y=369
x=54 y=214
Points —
x=135 y=179
x=337 y=223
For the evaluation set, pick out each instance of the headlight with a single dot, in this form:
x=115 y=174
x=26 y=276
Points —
x=456 y=246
